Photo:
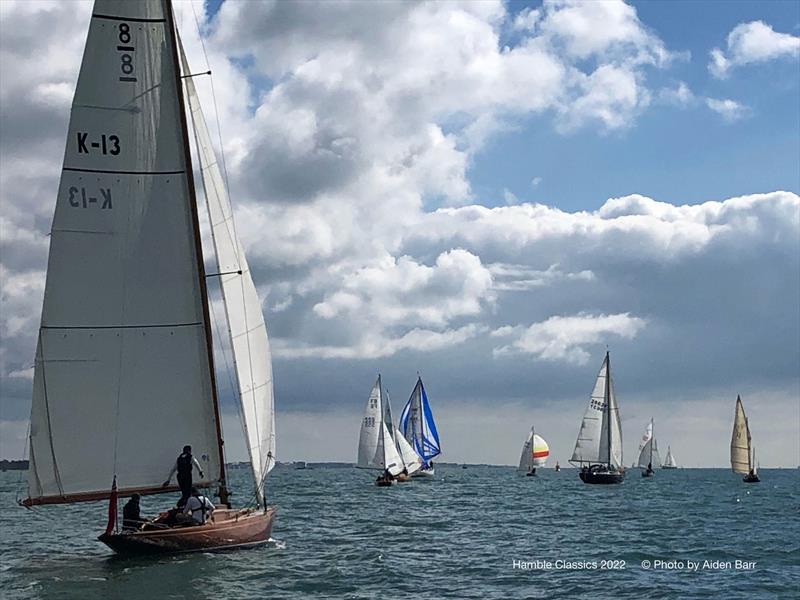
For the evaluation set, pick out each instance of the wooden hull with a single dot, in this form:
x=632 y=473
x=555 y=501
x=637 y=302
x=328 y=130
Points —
x=227 y=530
x=602 y=477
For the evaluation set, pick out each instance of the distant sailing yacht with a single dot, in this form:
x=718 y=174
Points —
x=534 y=453
x=598 y=449
x=418 y=428
x=743 y=454
x=669 y=461
x=648 y=451
x=124 y=372
x=377 y=448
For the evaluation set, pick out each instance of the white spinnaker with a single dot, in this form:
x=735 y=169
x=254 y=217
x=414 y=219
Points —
x=370 y=441
x=740 y=441
x=248 y=333
x=122 y=378
x=587 y=446
x=410 y=458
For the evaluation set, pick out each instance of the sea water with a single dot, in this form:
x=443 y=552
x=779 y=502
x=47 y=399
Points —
x=481 y=532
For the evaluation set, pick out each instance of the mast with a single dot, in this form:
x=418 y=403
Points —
x=652 y=440
x=608 y=406
x=223 y=490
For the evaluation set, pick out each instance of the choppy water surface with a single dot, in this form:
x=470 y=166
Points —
x=456 y=536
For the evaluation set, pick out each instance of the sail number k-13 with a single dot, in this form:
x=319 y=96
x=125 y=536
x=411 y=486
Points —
x=107 y=144
x=79 y=198
x=126 y=53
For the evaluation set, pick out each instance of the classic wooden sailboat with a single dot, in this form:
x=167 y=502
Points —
x=534 y=454
x=377 y=448
x=419 y=429
x=598 y=449
x=742 y=451
x=648 y=451
x=124 y=372
x=669 y=461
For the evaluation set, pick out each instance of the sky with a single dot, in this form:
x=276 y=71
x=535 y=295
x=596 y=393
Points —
x=488 y=193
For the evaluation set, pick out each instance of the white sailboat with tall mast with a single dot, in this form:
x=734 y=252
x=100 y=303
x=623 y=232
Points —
x=534 y=453
x=124 y=371
x=376 y=445
x=669 y=460
x=743 y=454
x=648 y=451
x=598 y=449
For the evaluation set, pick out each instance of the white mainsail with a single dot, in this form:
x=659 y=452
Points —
x=600 y=437
x=248 y=333
x=123 y=359
x=740 y=441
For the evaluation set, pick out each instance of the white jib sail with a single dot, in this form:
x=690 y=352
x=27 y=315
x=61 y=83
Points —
x=122 y=378
x=740 y=441
x=248 y=333
x=370 y=441
x=411 y=459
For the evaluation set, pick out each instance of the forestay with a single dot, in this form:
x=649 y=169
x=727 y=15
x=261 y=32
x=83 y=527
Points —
x=123 y=372
x=248 y=333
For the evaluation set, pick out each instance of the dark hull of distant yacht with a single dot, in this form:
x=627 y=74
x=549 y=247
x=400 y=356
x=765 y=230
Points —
x=602 y=476
x=751 y=478
x=228 y=530
x=648 y=473
x=668 y=467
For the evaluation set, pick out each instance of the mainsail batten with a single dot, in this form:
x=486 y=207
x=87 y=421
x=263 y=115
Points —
x=123 y=336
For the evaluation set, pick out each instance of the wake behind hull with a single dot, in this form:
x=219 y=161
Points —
x=228 y=530
x=424 y=473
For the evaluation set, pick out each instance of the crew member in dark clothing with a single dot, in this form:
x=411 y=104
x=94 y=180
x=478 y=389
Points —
x=131 y=517
x=183 y=465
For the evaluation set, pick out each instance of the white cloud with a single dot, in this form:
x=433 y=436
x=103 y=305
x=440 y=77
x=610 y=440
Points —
x=680 y=95
x=536 y=181
x=730 y=110
x=752 y=42
x=565 y=338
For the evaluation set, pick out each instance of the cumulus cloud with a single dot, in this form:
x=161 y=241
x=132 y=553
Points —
x=564 y=338
x=730 y=110
x=750 y=43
